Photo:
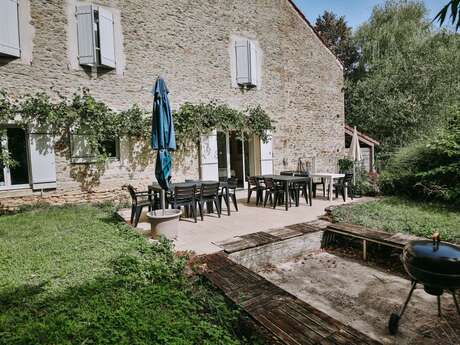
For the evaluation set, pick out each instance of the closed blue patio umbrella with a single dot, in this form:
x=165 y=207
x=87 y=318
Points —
x=163 y=136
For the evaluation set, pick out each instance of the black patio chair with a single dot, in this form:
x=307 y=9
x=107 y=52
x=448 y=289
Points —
x=138 y=201
x=254 y=185
x=303 y=187
x=184 y=196
x=209 y=193
x=232 y=184
x=317 y=183
x=154 y=197
x=275 y=191
x=295 y=188
x=339 y=187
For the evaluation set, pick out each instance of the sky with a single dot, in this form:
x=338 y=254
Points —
x=355 y=11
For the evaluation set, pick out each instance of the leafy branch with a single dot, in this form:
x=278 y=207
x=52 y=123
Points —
x=82 y=114
x=454 y=13
x=192 y=121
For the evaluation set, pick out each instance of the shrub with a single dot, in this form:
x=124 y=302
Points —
x=345 y=165
x=367 y=185
x=428 y=168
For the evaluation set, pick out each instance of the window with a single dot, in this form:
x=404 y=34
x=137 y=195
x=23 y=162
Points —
x=96 y=41
x=9 y=28
x=110 y=148
x=82 y=152
x=247 y=64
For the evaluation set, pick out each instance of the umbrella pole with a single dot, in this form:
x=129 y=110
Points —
x=354 y=172
x=162 y=201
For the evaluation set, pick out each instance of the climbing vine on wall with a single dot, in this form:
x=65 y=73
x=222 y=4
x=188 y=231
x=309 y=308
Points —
x=82 y=114
x=194 y=120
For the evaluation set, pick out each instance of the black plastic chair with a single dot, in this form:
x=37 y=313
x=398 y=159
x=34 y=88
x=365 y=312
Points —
x=303 y=187
x=232 y=184
x=138 y=201
x=322 y=183
x=343 y=182
x=275 y=191
x=255 y=186
x=209 y=192
x=185 y=196
x=154 y=197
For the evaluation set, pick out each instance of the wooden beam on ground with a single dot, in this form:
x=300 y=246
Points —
x=284 y=316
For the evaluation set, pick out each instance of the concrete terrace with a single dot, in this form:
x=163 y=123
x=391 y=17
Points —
x=202 y=237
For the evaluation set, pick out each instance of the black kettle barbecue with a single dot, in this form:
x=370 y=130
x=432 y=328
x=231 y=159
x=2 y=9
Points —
x=434 y=264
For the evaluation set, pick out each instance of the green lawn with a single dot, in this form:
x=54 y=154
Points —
x=400 y=215
x=75 y=275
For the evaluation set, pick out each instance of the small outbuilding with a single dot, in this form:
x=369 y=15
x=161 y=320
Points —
x=367 y=145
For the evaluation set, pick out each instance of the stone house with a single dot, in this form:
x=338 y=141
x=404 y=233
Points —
x=239 y=52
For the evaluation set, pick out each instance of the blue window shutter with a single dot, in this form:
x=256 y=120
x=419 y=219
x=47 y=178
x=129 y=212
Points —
x=86 y=35
x=9 y=28
x=42 y=160
x=242 y=62
x=253 y=63
x=107 y=38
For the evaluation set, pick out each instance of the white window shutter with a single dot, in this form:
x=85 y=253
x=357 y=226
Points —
x=242 y=62
x=209 y=167
x=266 y=157
x=42 y=161
x=81 y=151
x=86 y=35
x=107 y=38
x=9 y=28
x=253 y=63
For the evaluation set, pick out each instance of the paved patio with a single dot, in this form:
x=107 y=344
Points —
x=201 y=237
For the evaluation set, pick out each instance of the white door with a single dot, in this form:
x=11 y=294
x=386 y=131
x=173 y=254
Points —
x=266 y=157
x=209 y=166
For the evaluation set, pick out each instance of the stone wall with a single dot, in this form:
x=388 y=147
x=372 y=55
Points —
x=188 y=43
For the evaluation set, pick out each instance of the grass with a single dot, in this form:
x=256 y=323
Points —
x=400 y=215
x=76 y=275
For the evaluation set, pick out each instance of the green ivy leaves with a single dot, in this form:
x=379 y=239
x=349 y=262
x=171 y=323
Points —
x=194 y=120
x=82 y=114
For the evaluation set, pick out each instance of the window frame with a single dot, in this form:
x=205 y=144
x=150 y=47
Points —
x=90 y=159
x=96 y=39
x=247 y=63
x=115 y=158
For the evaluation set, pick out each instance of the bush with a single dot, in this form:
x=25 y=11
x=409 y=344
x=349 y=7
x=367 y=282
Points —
x=427 y=169
x=345 y=165
x=367 y=184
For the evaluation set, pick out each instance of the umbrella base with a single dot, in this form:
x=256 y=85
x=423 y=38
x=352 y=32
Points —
x=166 y=224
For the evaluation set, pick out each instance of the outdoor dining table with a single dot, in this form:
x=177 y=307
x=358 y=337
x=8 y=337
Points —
x=287 y=181
x=330 y=178
x=155 y=186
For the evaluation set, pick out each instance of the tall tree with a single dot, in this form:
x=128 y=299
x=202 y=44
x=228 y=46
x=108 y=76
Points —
x=337 y=35
x=408 y=83
x=454 y=6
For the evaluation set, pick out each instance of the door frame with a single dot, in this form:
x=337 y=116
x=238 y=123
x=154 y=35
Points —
x=6 y=170
x=227 y=149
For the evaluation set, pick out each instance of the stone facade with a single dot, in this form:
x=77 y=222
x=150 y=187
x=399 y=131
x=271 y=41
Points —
x=189 y=44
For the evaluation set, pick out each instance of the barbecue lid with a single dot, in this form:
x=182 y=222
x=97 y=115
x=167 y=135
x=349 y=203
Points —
x=439 y=257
